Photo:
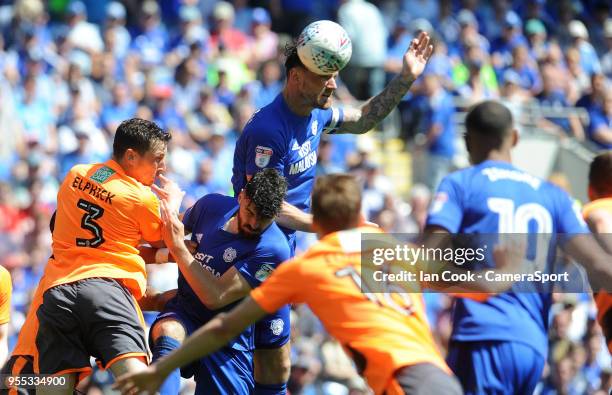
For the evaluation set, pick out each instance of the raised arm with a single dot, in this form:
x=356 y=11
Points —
x=363 y=119
x=213 y=292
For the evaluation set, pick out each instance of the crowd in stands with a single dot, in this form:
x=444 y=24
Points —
x=71 y=71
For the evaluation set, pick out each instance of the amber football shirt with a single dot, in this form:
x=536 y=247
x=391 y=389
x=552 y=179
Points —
x=381 y=332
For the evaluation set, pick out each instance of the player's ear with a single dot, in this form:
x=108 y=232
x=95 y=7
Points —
x=515 y=137
x=592 y=194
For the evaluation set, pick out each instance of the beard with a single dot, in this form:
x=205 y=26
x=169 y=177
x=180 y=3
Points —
x=243 y=230
x=323 y=102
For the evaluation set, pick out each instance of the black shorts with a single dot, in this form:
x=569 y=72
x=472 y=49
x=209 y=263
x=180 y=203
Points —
x=94 y=317
x=427 y=379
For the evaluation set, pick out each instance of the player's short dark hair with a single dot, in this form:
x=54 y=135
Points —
x=267 y=190
x=491 y=120
x=336 y=202
x=600 y=174
x=139 y=135
x=292 y=58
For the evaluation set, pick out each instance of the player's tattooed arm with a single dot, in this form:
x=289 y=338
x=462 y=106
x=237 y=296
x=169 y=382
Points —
x=361 y=120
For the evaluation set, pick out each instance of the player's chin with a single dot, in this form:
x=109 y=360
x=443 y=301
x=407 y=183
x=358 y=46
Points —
x=324 y=102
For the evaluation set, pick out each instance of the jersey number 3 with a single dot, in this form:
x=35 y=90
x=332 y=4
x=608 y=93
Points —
x=92 y=212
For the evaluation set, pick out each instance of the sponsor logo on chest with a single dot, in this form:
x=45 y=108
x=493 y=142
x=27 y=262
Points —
x=308 y=158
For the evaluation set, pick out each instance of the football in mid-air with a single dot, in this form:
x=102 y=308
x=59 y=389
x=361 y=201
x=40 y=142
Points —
x=324 y=47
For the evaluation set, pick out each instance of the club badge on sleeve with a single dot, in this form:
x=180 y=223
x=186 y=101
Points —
x=262 y=156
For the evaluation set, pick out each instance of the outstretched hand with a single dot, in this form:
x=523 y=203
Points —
x=146 y=382
x=173 y=230
x=170 y=191
x=416 y=57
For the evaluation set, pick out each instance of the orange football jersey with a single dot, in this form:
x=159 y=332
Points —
x=102 y=216
x=381 y=332
x=602 y=299
x=6 y=289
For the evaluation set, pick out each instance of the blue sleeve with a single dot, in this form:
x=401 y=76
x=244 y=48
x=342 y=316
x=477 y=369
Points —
x=195 y=212
x=446 y=207
x=259 y=266
x=333 y=121
x=265 y=148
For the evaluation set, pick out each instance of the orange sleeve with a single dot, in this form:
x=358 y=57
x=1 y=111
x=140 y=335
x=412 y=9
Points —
x=281 y=288
x=6 y=289
x=149 y=218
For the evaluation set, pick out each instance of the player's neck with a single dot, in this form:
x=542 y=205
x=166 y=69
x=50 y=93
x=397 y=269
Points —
x=295 y=102
x=231 y=226
x=497 y=156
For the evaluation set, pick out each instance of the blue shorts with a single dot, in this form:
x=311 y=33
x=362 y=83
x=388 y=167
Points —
x=274 y=330
x=495 y=367
x=226 y=371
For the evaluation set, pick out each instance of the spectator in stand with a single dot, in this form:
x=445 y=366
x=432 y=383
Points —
x=83 y=154
x=468 y=37
x=593 y=100
x=83 y=35
x=223 y=34
x=580 y=40
x=204 y=184
x=536 y=10
x=606 y=58
x=512 y=36
x=526 y=68
x=536 y=36
x=121 y=108
x=439 y=129
x=579 y=80
x=553 y=98
x=152 y=39
x=265 y=42
x=268 y=85
x=364 y=76
x=475 y=78
x=447 y=24
x=324 y=161
x=115 y=22
x=600 y=126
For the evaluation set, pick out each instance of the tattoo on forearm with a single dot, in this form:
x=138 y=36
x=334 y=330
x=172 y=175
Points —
x=378 y=107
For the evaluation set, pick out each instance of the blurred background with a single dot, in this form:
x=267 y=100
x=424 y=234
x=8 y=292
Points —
x=71 y=71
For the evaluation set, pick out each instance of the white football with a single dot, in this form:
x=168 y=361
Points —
x=324 y=47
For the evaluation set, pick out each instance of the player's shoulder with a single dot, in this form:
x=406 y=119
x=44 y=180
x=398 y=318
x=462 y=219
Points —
x=265 y=119
x=215 y=204
x=274 y=242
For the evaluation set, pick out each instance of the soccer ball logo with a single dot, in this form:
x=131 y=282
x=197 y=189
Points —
x=324 y=47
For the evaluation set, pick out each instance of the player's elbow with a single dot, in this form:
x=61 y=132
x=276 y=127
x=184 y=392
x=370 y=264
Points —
x=213 y=303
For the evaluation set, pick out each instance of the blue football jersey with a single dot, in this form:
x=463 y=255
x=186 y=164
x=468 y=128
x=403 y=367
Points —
x=277 y=138
x=218 y=250
x=497 y=198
